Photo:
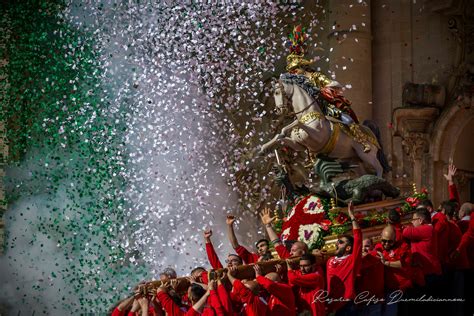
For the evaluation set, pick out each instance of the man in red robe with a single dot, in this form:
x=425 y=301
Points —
x=297 y=249
x=342 y=269
x=247 y=293
x=263 y=246
x=232 y=259
x=308 y=280
x=282 y=300
x=369 y=283
x=440 y=230
x=396 y=259
x=422 y=240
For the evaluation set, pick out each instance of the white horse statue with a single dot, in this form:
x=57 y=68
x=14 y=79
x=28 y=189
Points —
x=313 y=131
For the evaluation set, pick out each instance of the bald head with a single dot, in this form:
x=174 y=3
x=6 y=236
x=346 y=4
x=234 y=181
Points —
x=465 y=209
x=299 y=248
x=275 y=277
x=388 y=237
x=388 y=232
x=252 y=286
x=367 y=245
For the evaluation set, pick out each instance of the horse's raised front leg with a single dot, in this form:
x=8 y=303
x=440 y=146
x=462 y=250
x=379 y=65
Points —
x=286 y=141
x=269 y=144
x=288 y=128
x=279 y=136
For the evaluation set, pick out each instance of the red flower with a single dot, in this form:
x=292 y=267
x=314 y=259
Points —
x=359 y=216
x=373 y=222
x=424 y=191
x=325 y=223
x=413 y=201
x=341 y=218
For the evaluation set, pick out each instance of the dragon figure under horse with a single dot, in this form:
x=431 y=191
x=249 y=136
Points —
x=323 y=135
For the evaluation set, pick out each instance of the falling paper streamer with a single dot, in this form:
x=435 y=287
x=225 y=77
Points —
x=129 y=128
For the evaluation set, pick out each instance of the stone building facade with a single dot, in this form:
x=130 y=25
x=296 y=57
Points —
x=411 y=69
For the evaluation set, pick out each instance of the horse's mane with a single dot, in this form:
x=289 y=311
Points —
x=302 y=82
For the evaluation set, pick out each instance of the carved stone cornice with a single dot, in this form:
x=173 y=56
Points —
x=413 y=125
x=413 y=119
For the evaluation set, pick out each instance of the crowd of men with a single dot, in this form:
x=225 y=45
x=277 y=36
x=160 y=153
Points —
x=424 y=266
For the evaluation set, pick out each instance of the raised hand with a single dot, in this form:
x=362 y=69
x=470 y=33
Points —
x=231 y=271
x=350 y=210
x=135 y=306
x=258 y=270
x=221 y=277
x=143 y=301
x=230 y=220
x=208 y=234
x=451 y=172
x=380 y=255
x=140 y=288
x=231 y=274
x=318 y=254
x=193 y=279
x=163 y=287
x=211 y=285
x=174 y=284
x=279 y=268
x=266 y=216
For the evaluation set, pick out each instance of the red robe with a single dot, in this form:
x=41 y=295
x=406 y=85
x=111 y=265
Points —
x=463 y=225
x=341 y=273
x=398 y=231
x=212 y=257
x=423 y=248
x=225 y=300
x=454 y=237
x=254 y=306
x=467 y=240
x=308 y=285
x=335 y=97
x=170 y=307
x=118 y=312
x=440 y=227
x=453 y=193
x=283 y=253
x=247 y=256
x=371 y=276
x=399 y=278
x=214 y=307
x=282 y=299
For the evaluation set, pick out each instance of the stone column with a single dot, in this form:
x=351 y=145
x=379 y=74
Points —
x=416 y=145
x=350 y=52
x=413 y=126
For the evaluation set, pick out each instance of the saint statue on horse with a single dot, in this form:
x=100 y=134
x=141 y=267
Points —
x=334 y=104
x=325 y=126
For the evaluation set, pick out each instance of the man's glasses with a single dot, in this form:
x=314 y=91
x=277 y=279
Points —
x=415 y=218
x=386 y=241
x=232 y=261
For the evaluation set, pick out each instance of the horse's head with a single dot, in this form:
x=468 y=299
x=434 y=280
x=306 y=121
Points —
x=282 y=97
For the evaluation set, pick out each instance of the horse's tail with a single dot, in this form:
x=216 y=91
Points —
x=380 y=154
